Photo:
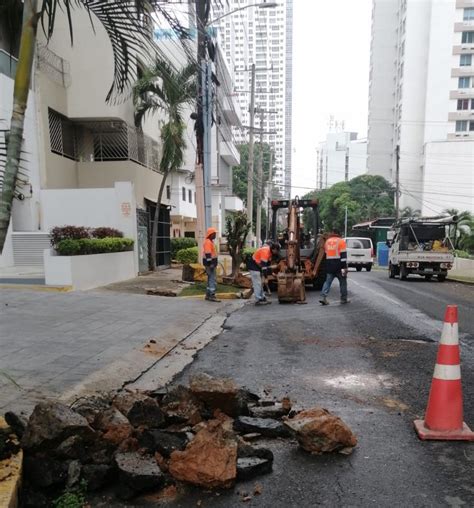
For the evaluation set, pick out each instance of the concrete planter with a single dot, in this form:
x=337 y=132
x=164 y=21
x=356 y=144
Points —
x=87 y=272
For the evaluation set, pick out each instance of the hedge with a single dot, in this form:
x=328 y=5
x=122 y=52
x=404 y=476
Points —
x=93 y=246
x=60 y=233
x=178 y=244
x=187 y=256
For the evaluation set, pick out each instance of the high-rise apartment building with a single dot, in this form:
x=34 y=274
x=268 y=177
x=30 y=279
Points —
x=421 y=101
x=262 y=36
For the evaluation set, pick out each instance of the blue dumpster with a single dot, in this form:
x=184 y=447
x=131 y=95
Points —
x=382 y=254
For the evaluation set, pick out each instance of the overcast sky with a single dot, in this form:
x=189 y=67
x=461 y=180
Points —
x=330 y=76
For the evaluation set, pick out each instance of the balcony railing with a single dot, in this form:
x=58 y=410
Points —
x=102 y=141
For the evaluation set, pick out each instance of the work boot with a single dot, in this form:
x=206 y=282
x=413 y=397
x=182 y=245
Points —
x=212 y=298
x=263 y=302
x=345 y=300
x=323 y=301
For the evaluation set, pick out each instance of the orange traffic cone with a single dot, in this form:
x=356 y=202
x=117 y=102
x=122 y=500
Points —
x=444 y=414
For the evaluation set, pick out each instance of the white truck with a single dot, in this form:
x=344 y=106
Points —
x=421 y=246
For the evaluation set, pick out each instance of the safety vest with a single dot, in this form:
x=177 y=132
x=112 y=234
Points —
x=209 y=248
x=334 y=247
x=263 y=255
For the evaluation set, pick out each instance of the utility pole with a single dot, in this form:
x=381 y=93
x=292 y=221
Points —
x=270 y=194
x=397 y=182
x=250 y=156
x=258 y=227
x=345 y=223
x=207 y=123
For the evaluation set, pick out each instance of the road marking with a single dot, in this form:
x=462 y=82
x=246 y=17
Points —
x=396 y=302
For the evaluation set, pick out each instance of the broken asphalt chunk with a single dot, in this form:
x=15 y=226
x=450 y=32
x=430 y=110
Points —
x=265 y=426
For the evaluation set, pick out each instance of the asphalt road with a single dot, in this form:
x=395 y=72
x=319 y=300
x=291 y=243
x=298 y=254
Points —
x=370 y=362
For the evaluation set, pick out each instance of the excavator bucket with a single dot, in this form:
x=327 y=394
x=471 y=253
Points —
x=291 y=288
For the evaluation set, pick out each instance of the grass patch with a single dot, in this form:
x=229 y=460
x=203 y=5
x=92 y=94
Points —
x=199 y=288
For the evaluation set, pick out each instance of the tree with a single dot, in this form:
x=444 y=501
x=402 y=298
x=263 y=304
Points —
x=366 y=197
x=130 y=36
x=237 y=229
x=464 y=229
x=161 y=88
x=239 y=175
x=409 y=212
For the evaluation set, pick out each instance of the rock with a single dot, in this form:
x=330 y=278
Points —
x=319 y=431
x=249 y=467
x=51 y=423
x=245 y=450
x=43 y=471
x=242 y=281
x=75 y=447
x=8 y=444
x=17 y=423
x=194 y=272
x=181 y=406
x=160 y=292
x=265 y=426
x=118 y=434
x=221 y=393
x=109 y=418
x=137 y=473
x=97 y=476
x=139 y=409
x=91 y=406
x=162 y=442
x=209 y=460
x=73 y=473
x=275 y=410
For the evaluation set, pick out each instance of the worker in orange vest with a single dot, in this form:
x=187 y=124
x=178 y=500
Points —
x=335 y=265
x=209 y=260
x=260 y=265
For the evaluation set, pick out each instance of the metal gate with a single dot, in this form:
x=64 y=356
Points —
x=143 y=238
x=163 y=240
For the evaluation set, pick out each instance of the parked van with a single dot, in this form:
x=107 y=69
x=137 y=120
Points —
x=360 y=253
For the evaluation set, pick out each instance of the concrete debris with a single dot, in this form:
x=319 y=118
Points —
x=160 y=292
x=140 y=409
x=137 y=473
x=267 y=427
x=51 y=423
x=140 y=442
x=318 y=431
x=17 y=423
x=209 y=460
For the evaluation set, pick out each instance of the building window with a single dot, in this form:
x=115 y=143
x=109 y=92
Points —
x=461 y=126
x=467 y=37
x=464 y=82
x=471 y=126
x=468 y=14
x=190 y=196
x=168 y=192
x=183 y=193
x=465 y=60
x=463 y=104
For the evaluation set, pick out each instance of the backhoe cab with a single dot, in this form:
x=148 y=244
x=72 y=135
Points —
x=301 y=254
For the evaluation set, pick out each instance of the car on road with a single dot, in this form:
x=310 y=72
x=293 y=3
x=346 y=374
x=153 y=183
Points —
x=360 y=253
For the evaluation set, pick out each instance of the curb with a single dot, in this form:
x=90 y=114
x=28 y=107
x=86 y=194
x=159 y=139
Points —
x=242 y=295
x=37 y=287
x=10 y=477
x=461 y=281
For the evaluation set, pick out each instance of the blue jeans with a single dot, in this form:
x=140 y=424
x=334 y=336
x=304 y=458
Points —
x=211 y=281
x=342 y=284
x=257 y=285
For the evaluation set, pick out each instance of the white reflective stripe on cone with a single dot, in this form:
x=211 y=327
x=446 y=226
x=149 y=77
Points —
x=447 y=372
x=450 y=334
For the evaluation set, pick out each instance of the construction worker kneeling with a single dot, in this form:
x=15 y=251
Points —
x=259 y=266
x=209 y=260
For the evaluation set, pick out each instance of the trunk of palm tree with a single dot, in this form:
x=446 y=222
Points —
x=156 y=219
x=20 y=100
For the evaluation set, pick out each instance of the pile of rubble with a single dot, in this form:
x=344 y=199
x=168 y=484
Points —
x=140 y=442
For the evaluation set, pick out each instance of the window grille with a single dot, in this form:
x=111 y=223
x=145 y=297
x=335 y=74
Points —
x=62 y=135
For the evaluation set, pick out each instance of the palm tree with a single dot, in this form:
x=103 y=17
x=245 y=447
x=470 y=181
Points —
x=464 y=229
x=125 y=22
x=161 y=88
x=409 y=212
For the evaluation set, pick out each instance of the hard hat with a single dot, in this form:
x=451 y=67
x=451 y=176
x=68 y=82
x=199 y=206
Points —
x=210 y=231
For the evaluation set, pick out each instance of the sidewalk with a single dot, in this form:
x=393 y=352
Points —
x=68 y=344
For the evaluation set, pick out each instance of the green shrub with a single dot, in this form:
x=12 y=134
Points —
x=248 y=251
x=61 y=233
x=462 y=254
x=93 y=246
x=187 y=256
x=178 y=244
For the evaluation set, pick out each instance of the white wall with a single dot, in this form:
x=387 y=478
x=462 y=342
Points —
x=357 y=151
x=448 y=177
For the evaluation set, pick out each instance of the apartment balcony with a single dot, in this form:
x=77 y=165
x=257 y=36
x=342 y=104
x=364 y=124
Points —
x=464 y=26
x=462 y=93
x=228 y=151
x=461 y=115
x=231 y=110
x=8 y=64
x=459 y=136
x=464 y=49
x=233 y=204
x=461 y=4
x=462 y=71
